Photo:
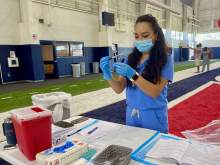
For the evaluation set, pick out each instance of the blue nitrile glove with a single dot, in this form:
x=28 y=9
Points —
x=124 y=70
x=104 y=65
x=61 y=149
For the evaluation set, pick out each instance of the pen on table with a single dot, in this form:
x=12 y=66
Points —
x=75 y=132
x=91 y=131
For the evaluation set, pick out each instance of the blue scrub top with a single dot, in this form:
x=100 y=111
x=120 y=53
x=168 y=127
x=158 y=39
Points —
x=136 y=98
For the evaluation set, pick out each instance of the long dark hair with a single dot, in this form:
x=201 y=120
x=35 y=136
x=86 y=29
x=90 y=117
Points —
x=158 y=53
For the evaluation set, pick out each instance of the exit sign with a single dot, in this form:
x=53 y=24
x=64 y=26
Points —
x=217 y=23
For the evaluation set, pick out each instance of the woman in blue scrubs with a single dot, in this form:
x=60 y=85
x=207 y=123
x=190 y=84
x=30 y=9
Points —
x=145 y=76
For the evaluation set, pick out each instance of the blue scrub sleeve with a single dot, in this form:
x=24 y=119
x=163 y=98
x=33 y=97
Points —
x=168 y=69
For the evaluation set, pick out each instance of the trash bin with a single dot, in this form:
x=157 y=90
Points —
x=95 y=67
x=57 y=102
x=76 y=70
x=217 y=78
x=82 y=68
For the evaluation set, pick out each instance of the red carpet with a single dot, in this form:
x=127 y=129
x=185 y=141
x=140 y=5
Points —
x=196 y=111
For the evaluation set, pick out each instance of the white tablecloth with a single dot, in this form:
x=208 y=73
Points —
x=119 y=134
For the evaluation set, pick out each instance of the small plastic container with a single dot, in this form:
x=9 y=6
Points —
x=60 y=103
x=33 y=130
x=113 y=155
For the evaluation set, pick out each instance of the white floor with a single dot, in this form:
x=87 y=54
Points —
x=89 y=101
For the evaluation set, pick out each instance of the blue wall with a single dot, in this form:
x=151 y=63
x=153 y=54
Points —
x=9 y=74
x=25 y=62
x=37 y=62
x=30 y=63
x=32 y=66
x=216 y=52
x=64 y=64
x=176 y=53
x=181 y=54
x=92 y=54
x=185 y=54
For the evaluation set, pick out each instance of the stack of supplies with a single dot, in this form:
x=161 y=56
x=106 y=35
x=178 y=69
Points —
x=63 y=154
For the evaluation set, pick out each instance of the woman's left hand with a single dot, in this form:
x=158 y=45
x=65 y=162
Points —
x=124 y=70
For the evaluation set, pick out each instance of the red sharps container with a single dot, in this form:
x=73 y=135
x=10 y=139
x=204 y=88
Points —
x=33 y=130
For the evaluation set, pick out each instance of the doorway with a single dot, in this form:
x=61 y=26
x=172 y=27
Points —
x=50 y=63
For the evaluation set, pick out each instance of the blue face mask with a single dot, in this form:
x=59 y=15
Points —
x=144 y=45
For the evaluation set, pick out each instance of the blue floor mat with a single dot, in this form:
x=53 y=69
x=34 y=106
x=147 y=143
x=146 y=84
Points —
x=3 y=162
x=116 y=112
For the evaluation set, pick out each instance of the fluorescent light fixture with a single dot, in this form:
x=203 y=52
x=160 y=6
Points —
x=193 y=24
x=161 y=20
x=193 y=18
x=161 y=5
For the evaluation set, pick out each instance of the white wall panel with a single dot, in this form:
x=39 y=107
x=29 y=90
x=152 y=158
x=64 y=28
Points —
x=9 y=18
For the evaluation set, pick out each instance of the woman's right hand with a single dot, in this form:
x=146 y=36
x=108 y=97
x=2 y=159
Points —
x=105 y=67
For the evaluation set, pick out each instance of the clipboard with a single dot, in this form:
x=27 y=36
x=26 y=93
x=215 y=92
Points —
x=139 y=154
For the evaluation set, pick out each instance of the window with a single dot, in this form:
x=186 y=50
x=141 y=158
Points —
x=164 y=31
x=76 y=48
x=156 y=12
x=208 y=36
x=62 y=48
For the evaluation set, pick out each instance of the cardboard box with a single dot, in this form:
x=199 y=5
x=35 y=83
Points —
x=47 y=52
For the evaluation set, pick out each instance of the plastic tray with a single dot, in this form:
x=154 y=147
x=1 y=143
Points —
x=113 y=155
